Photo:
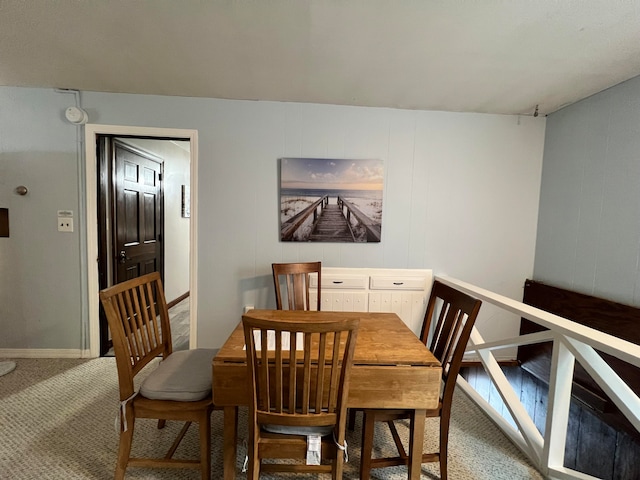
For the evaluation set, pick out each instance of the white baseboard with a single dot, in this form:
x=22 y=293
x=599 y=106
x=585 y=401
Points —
x=43 y=353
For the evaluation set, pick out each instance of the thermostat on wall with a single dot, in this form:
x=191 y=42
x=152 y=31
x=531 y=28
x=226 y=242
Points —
x=76 y=115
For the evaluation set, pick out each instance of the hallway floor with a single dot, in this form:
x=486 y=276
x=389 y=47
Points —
x=179 y=318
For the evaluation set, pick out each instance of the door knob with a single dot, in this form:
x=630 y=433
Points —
x=123 y=257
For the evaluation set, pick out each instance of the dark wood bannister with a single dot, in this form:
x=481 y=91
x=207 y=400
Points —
x=592 y=447
x=597 y=429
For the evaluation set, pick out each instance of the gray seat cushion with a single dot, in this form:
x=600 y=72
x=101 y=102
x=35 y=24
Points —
x=322 y=431
x=184 y=376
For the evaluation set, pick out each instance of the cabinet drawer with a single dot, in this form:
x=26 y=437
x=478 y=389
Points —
x=358 y=282
x=396 y=283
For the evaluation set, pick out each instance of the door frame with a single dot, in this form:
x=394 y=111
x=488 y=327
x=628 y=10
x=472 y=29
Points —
x=91 y=132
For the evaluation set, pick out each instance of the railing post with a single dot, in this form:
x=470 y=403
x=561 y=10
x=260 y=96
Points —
x=559 y=402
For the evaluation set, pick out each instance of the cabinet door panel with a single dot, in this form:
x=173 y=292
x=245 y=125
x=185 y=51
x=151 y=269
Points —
x=344 y=301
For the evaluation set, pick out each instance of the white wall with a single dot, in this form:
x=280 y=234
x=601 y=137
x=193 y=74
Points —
x=589 y=227
x=460 y=197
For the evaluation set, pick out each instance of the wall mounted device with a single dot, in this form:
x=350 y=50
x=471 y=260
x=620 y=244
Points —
x=65 y=221
x=76 y=115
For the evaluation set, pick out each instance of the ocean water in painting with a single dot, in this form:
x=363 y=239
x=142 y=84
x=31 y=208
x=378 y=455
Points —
x=293 y=201
x=321 y=192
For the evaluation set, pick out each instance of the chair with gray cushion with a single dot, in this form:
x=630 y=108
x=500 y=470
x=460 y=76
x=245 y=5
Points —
x=298 y=389
x=179 y=388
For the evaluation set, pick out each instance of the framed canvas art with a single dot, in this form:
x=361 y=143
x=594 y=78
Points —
x=330 y=200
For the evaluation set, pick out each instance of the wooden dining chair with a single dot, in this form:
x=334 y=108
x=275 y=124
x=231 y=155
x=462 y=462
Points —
x=291 y=281
x=298 y=392
x=456 y=313
x=179 y=388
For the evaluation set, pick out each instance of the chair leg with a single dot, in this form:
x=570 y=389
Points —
x=161 y=424
x=253 y=468
x=337 y=469
x=444 y=444
x=124 y=447
x=204 y=424
x=368 y=429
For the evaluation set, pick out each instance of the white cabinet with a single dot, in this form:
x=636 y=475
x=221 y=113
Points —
x=402 y=291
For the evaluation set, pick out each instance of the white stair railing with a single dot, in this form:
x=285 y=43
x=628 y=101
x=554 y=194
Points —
x=571 y=342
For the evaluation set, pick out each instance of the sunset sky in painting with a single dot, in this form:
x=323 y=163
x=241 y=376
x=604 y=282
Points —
x=322 y=173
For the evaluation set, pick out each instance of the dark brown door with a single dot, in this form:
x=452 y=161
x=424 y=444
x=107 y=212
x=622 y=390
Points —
x=130 y=217
x=138 y=214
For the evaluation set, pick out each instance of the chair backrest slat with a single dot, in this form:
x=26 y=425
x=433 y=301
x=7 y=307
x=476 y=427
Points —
x=121 y=312
x=264 y=372
x=154 y=334
x=131 y=318
x=335 y=371
x=142 y=317
x=322 y=353
x=306 y=375
x=293 y=374
x=278 y=376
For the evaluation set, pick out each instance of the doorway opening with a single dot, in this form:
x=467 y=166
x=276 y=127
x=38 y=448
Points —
x=140 y=197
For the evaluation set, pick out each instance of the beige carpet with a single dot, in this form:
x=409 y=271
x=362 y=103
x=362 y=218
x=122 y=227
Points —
x=57 y=422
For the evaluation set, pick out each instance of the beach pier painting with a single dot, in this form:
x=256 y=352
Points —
x=330 y=200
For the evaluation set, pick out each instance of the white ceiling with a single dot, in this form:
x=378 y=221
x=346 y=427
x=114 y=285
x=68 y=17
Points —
x=496 y=56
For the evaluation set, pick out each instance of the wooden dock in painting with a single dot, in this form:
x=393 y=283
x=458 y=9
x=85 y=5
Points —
x=332 y=226
x=331 y=223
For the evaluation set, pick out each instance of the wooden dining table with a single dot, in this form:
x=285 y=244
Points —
x=391 y=369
